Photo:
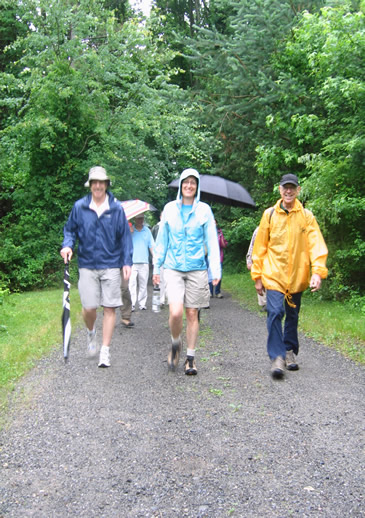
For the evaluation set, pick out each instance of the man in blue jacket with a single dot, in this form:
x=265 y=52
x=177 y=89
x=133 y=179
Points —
x=99 y=224
x=186 y=232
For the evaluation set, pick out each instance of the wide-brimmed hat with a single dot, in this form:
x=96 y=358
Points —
x=289 y=178
x=97 y=173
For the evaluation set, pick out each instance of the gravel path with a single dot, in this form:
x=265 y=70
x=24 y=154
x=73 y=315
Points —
x=137 y=441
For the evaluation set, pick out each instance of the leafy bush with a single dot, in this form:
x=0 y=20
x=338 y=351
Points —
x=317 y=131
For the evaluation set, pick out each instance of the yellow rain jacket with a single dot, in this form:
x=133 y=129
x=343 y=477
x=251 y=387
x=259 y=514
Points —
x=287 y=247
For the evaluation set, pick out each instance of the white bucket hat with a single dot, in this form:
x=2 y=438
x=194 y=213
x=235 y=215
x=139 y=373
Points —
x=97 y=173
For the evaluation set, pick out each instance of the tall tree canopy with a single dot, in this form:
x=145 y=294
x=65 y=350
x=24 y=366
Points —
x=318 y=131
x=234 y=78
x=245 y=89
x=90 y=91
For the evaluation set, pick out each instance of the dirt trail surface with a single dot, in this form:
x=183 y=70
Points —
x=137 y=441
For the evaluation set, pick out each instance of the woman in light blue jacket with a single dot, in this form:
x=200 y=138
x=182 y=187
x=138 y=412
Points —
x=187 y=232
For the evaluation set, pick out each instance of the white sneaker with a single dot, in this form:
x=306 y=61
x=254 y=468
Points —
x=91 y=344
x=104 y=358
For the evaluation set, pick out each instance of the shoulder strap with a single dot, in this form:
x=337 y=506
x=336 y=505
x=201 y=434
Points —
x=305 y=213
x=271 y=213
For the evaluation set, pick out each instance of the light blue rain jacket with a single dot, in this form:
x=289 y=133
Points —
x=182 y=246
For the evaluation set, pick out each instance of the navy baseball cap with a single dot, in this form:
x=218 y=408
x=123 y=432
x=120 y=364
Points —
x=289 y=178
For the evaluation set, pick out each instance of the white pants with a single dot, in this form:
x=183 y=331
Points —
x=140 y=272
x=162 y=287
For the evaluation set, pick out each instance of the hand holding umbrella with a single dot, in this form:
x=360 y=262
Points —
x=66 y=253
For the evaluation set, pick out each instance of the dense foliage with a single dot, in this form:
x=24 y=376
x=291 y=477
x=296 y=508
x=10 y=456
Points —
x=90 y=91
x=317 y=130
x=244 y=89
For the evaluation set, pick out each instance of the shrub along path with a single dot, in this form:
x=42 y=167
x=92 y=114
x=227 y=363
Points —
x=136 y=441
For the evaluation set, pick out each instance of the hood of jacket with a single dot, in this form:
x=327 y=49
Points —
x=185 y=174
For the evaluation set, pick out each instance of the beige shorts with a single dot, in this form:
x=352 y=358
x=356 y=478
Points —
x=188 y=288
x=100 y=288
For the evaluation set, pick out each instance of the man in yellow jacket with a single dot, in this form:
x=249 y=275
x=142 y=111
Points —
x=288 y=256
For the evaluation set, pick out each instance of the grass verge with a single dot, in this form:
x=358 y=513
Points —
x=30 y=327
x=334 y=324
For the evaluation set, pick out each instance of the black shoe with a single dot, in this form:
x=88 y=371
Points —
x=127 y=324
x=190 y=366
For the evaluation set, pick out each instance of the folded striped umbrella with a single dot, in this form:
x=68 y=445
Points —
x=134 y=207
x=66 y=320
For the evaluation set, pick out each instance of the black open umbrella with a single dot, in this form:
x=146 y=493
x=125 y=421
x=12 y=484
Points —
x=66 y=320
x=220 y=190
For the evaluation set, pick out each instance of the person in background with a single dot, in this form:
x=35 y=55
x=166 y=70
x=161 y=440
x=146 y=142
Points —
x=143 y=243
x=126 y=308
x=222 y=245
x=187 y=227
x=98 y=223
x=261 y=299
x=289 y=255
x=155 y=230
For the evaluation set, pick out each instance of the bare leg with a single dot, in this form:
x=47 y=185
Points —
x=176 y=325
x=192 y=327
x=108 y=325
x=176 y=319
x=89 y=316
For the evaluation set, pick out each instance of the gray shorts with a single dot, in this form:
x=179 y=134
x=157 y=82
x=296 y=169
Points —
x=188 y=288
x=100 y=288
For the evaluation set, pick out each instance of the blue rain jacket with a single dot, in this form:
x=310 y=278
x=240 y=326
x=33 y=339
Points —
x=182 y=246
x=104 y=242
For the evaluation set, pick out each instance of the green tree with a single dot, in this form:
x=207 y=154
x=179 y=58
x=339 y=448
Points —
x=317 y=130
x=90 y=91
x=11 y=27
x=235 y=81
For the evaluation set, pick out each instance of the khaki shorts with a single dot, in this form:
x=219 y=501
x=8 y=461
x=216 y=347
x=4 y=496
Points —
x=100 y=288
x=188 y=288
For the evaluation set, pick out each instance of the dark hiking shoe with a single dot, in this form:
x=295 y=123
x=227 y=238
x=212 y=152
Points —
x=127 y=324
x=291 y=364
x=277 y=368
x=174 y=355
x=190 y=366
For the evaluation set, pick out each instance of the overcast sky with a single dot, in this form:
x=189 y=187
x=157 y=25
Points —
x=143 y=5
